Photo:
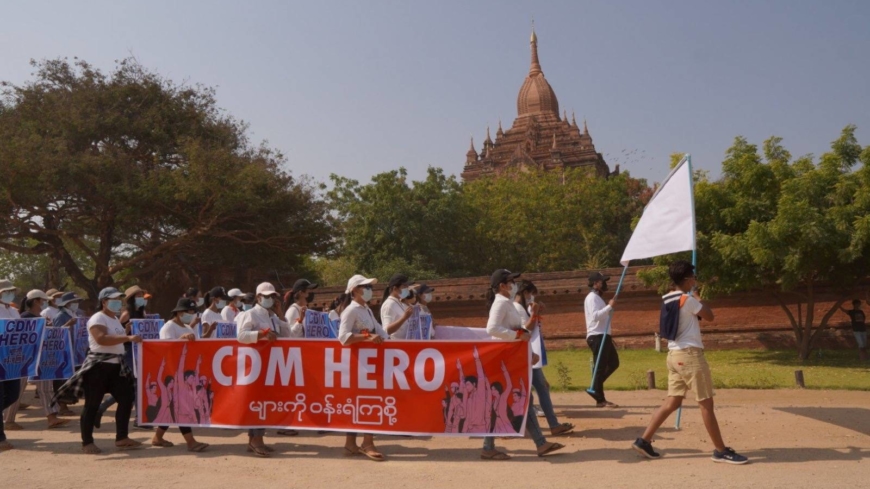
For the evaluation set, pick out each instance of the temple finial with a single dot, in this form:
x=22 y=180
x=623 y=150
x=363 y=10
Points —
x=585 y=129
x=536 y=65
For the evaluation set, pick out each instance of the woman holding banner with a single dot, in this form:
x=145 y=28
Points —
x=358 y=325
x=32 y=308
x=10 y=390
x=529 y=310
x=298 y=298
x=215 y=300
x=394 y=313
x=262 y=323
x=506 y=324
x=174 y=329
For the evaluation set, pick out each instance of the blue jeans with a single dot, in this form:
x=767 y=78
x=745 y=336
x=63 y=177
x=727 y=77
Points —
x=539 y=382
x=531 y=426
x=9 y=392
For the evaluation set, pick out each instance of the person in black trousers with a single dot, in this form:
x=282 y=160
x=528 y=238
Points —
x=597 y=331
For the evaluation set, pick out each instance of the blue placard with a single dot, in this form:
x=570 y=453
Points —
x=318 y=325
x=148 y=329
x=224 y=331
x=152 y=316
x=419 y=325
x=80 y=340
x=19 y=347
x=56 y=356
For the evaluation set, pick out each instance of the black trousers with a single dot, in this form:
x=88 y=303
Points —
x=106 y=378
x=606 y=366
x=183 y=429
x=9 y=392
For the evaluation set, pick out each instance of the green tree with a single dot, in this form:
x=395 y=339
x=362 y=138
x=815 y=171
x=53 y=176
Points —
x=147 y=178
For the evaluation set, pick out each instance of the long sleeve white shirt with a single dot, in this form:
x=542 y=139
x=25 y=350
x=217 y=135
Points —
x=504 y=320
x=296 y=321
x=7 y=312
x=258 y=319
x=357 y=318
x=596 y=314
x=391 y=310
x=228 y=314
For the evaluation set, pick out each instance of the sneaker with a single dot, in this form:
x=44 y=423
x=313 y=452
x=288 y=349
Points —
x=539 y=412
x=729 y=456
x=645 y=448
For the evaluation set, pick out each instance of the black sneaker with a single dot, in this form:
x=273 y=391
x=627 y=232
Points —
x=645 y=448
x=729 y=456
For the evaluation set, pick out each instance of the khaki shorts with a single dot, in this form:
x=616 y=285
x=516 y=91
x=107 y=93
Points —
x=688 y=370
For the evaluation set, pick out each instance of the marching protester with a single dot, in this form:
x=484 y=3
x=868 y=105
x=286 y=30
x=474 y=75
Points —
x=248 y=302
x=11 y=402
x=597 y=314
x=7 y=300
x=194 y=294
x=105 y=371
x=229 y=313
x=31 y=307
x=687 y=366
x=215 y=301
x=859 y=327
x=336 y=307
x=505 y=323
x=174 y=396
x=358 y=325
x=299 y=297
x=395 y=314
x=68 y=304
x=262 y=323
x=424 y=297
x=529 y=310
x=50 y=309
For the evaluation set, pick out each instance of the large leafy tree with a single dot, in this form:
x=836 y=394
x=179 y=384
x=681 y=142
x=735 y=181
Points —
x=144 y=177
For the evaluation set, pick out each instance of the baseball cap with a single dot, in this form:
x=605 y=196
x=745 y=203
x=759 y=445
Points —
x=185 y=304
x=109 y=293
x=423 y=289
x=37 y=294
x=67 y=298
x=219 y=293
x=501 y=276
x=399 y=279
x=358 y=280
x=266 y=288
x=303 y=284
x=233 y=293
x=596 y=276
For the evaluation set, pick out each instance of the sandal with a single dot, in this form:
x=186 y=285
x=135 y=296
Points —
x=552 y=448
x=287 y=432
x=91 y=449
x=199 y=447
x=259 y=451
x=128 y=444
x=372 y=454
x=562 y=429
x=67 y=412
x=351 y=453
x=13 y=426
x=58 y=423
x=494 y=455
x=162 y=443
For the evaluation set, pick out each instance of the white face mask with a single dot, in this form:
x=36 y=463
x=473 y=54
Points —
x=187 y=318
x=221 y=304
x=7 y=297
x=266 y=302
x=531 y=299
x=199 y=302
x=73 y=307
x=514 y=288
x=427 y=297
x=237 y=303
x=367 y=295
x=44 y=305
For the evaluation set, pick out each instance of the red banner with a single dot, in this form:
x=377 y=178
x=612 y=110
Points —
x=458 y=388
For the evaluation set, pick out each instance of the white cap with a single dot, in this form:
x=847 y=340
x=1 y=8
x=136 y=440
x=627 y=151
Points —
x=37 y=294
x=266 y=288
x=358 y=280
x=233 y=293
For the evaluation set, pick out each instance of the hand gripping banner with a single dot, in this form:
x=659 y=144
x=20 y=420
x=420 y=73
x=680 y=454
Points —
x=446 y=388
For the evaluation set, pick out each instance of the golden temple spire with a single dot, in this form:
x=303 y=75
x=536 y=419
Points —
x=536 y=65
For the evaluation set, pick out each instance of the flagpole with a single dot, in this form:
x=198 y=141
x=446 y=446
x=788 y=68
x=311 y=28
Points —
x=694 y=249
x=591 y=389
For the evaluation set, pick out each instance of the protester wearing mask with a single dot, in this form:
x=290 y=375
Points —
x=597 y=315
x=33 y=305
x=505 y=323
x=68 y=304
x=229 y=313
x=216 y=300
x=395 y=314
x=248 y=302
x=299 y=297
x=530 y=311
x=7 y=300
x=10 y=390
x=262 y=323
x=358 y=325
x=424 y=297
x=49 y=308
x=174 y=329
x=105 y=371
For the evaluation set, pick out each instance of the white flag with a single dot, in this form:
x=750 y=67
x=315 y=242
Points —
x=667 y=224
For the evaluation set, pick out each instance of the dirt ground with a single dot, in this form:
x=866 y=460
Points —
x=793 y=438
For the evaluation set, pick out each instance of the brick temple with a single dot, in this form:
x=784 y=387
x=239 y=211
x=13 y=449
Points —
x=539 y=138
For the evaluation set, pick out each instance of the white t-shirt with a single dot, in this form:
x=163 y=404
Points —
x=355 y=318
x=596 y=314
x=297 y=329
x=173 y=331
x=228 y=314
x=535 y=339
x=688 y=331
x=7 y=312
x=210 y=317
x=49 y=314
x=114 y=327
x=391 y=310
x=504 y=320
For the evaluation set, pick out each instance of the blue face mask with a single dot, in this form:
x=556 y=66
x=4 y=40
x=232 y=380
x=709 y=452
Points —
x=7 y=297
x=141 y=302
x=247 y=307
x=115 y=305
x=404 y=293
x=187 y=318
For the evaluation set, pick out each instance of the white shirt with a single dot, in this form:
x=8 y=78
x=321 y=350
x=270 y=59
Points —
x=391 y=310
x=258 y=319
x=114 y=327
x=357 y=318
x=504 y=320
x=210 y=317
x=535 y=340
x=228 y=314
x=49 y=313
x=7 y=312
x=688 y=331
x=173 y=331
x=596 y=314
x=293 y=314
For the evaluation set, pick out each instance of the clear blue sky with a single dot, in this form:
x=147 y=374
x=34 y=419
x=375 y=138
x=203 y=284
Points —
x=360 y=87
